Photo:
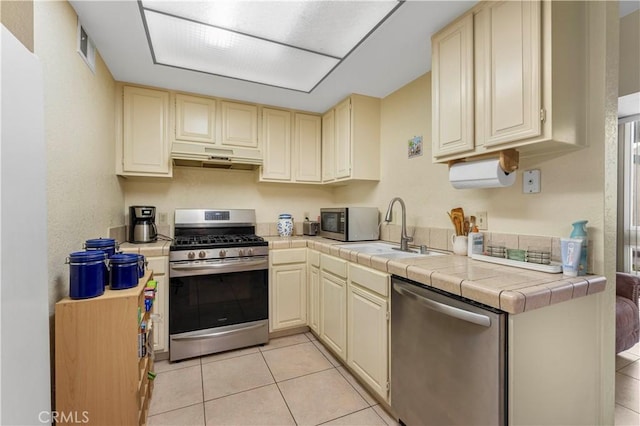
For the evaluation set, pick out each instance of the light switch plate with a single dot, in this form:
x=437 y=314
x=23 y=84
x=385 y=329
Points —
x=531 y=181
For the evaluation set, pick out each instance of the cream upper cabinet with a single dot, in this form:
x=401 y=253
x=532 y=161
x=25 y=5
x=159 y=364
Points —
x=354 y=142
x=276 y=144
x=342 y=143
x=291 y=147
x=239 y=124
x=368 y=327
x=288 y=289
x=508 y=41
x=529 y=80
x=333 y=304
x=452 y=86
x=307 y=160
x=143 y=145
x=328 y=146
x=195 y=118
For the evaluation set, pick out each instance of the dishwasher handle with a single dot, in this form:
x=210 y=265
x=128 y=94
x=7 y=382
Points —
x=442 y=308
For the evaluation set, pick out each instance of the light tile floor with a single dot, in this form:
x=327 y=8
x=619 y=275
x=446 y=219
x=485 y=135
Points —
x=292 y=380
x=628 y=387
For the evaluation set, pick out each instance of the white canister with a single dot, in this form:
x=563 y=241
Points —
x=460 y=244
x=285 y=225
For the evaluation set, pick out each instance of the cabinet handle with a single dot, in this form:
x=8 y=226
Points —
x=218 y=333
x=442 y=308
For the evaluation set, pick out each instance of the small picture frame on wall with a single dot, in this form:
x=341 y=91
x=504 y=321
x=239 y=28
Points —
x=415 y=146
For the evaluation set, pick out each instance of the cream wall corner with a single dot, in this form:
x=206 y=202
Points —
x=84 y=197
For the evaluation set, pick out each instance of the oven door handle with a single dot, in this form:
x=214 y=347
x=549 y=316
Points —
x=219 y=333
x=239 y=266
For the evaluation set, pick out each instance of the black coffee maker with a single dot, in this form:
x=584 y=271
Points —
x=142 y=224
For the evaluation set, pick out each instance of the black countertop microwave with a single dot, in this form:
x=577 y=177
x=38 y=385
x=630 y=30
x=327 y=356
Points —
x=350 y=223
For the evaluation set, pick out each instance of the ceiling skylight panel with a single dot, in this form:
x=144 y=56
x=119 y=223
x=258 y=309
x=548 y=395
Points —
x=190 y=45
x=330 y=27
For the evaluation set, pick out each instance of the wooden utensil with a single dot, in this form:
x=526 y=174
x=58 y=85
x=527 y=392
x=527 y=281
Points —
x=458 y=218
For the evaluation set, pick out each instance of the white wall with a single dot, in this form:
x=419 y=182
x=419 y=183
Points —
x=24 y=321
x=83 y=193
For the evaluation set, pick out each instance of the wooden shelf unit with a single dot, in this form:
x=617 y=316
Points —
x=99 y=373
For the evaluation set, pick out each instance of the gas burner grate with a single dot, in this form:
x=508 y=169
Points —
x=215 y=240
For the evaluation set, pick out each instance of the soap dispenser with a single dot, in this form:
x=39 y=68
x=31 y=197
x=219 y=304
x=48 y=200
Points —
x=580 y=231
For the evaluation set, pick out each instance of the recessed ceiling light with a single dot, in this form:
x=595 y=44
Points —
x=288 y=44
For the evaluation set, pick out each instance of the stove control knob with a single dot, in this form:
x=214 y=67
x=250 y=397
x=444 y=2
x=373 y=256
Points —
x=191 y=255
x=202 y=254
x=240 y=252
x=222 y=253
x=250 y=252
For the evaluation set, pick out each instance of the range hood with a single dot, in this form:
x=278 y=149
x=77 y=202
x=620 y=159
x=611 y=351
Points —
x=200 y=155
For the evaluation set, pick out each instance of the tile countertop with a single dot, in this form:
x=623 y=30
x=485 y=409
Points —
x=513 y=290
x=157 y=248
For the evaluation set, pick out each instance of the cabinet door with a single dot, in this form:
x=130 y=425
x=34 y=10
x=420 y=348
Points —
x=195 y=118
x=307 y=148
x=333 y=316
x=239 y=124
x=276 y=137
x=368 y=338
x=508 y=72
x=453 y=89
x=288 y=296
x=161 y=322
x=328 y=146
x=145 y=137
x=314 y=299
x=343 y=139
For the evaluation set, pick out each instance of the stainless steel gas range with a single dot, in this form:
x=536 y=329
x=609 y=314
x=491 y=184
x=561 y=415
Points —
x=219 y=296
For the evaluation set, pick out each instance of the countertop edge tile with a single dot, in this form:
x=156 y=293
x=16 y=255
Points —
x=512 y=301
x=397 y=268
x=538 y=292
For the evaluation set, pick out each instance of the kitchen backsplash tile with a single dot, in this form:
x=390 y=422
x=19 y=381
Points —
x=436 y=238
x=118 y=233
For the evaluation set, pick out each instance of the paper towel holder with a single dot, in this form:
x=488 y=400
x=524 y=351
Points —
x=509 y=159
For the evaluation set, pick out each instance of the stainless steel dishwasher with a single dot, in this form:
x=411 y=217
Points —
x=447 y=358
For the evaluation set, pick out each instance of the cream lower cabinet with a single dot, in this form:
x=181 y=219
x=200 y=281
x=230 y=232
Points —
x=313 y=282
x=288 y=288
x=368 y=327
x=333 y=304
x=160 y=265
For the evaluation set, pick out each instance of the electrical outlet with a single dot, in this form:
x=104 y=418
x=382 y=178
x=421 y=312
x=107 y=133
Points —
x=162 y=218
x=531 y=181
x=481 y=220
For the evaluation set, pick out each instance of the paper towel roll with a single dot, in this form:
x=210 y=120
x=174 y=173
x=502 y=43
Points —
x=480 y=174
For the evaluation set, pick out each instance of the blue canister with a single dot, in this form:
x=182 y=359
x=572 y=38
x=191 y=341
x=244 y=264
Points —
x=124 y=271
x=105 y=244
x=86 y=274
x=141 y=265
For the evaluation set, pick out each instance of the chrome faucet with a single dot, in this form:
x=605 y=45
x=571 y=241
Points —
x=404 y=238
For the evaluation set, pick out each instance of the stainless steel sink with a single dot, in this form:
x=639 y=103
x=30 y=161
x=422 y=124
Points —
x=388 y=250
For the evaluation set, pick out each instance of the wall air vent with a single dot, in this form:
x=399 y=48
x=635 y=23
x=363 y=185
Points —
x=86 y=48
